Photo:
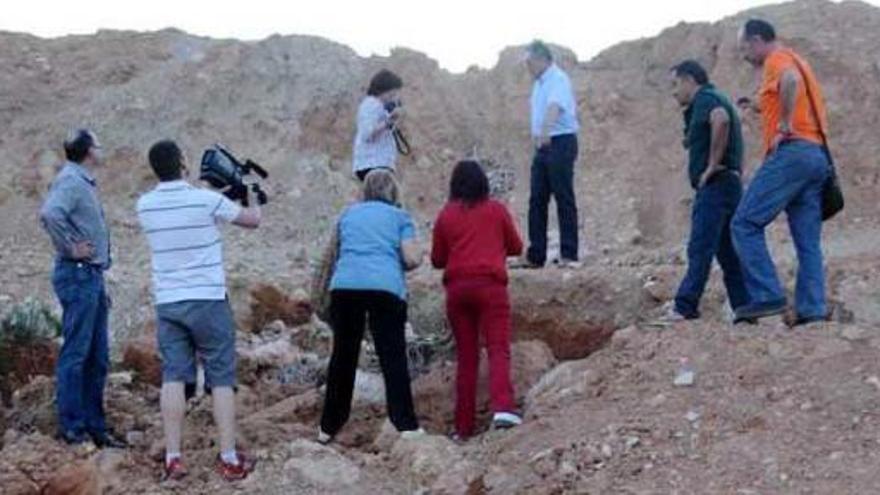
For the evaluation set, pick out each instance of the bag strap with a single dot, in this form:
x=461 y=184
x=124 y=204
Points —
x=401 y=142
x=813 y=107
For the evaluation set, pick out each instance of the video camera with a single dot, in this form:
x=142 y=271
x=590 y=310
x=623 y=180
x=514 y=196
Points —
x=223 y=170
x=392 y=105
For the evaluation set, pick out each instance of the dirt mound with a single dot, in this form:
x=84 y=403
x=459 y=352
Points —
x=269 y=304
x=22 y=361
x=141 y=356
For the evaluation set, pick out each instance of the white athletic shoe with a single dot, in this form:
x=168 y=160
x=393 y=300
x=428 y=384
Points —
x=670 y=316
x=324 y=438
x=568 y=264
x=412 y=434
x=505 y=420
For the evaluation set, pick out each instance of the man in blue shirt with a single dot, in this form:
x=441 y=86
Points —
x=714 y=143
x=73 y=217
x=554 y=128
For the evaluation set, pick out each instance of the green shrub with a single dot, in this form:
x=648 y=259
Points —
x=28 y=321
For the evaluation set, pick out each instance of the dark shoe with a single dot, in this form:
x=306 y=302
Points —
x=106 y=440
x=72 y=438
x=526 y=264
x=756 y=311
x=749 y=321
x=806 y=320
x=235 y=472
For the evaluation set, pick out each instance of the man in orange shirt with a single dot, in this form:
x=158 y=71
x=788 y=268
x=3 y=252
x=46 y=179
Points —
x=795 y=166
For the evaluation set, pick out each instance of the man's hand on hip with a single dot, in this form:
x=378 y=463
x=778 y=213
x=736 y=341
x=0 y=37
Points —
x=710 y=171
x=82 y=250
x=541 y=141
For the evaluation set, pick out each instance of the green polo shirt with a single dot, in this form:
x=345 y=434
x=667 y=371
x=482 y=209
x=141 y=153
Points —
x=698 y=133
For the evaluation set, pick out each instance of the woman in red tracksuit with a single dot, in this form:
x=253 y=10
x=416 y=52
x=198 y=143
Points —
x=473 y=236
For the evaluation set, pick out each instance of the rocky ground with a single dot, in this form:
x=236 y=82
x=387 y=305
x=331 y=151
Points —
x=771 y=409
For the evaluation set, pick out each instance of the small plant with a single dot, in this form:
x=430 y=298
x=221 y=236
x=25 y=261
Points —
x=26 y=346
x=29 y=321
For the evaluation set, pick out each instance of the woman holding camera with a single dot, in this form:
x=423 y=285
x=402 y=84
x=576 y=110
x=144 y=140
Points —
x=376 y=244
x=473 y=236
x=378 y=115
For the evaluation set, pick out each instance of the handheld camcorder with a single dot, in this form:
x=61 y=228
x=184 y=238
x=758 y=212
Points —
x=224 y=171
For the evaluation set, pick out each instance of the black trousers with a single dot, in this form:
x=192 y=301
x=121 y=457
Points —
x=362 y=174
x=553 y=175
x=349 y=310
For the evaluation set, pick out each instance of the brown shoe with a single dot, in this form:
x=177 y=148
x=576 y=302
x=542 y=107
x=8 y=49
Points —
x=524 y=264
x=174 y=470
x=235 y=472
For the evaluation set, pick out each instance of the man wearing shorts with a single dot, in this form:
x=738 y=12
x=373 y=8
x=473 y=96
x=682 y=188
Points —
x=192 y=312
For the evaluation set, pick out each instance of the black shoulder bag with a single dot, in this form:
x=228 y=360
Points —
x=832 y=194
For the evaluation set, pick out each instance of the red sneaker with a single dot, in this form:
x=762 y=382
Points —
x=174 y=470
x=235 y=472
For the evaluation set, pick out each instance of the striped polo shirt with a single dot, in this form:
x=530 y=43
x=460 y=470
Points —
x=180 y=222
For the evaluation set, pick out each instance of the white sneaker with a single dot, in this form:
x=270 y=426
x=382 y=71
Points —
x=505 y=420
x=670 y=316
x=568 y=264
x=324 y=438
x=412 y=434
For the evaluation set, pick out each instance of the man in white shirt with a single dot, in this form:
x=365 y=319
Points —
x=554 y=127
x=192 y=311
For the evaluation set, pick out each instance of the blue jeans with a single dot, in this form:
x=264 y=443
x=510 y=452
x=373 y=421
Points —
x=553 y=174
x=791 y=180
x=714 y=206
x=84 y=359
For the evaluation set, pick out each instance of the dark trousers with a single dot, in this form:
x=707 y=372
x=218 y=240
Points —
x=553 y=175
x=349 y=310
x=362 y=174
x=714 y=206
x=84 y=359
x=477 y=308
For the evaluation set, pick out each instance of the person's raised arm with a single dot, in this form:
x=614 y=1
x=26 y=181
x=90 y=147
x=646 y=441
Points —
x=228 y=211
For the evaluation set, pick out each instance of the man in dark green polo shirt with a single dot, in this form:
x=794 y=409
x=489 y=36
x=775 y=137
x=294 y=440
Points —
x=713 y=139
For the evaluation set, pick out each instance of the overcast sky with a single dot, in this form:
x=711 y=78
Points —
x=457 y=33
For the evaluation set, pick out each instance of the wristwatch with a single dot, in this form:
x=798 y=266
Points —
x=784 y=128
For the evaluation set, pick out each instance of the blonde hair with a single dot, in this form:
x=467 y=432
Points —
x=380 y=185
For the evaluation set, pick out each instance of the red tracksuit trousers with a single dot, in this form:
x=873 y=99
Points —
x=475 y=308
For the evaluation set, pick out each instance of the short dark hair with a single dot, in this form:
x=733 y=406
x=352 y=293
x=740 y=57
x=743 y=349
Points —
x=166 y=159
x=469 y=183
x=761 y=29
x=383 y=82
x=78 y=144
x=538 y=48
x=693 y=69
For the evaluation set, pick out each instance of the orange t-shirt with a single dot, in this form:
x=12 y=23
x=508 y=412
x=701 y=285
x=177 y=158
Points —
x=804 y=125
